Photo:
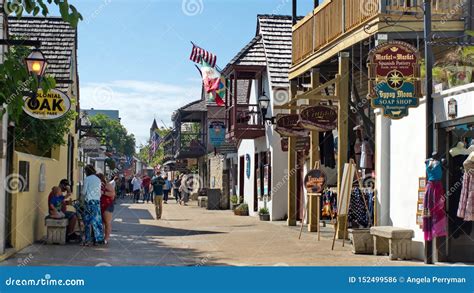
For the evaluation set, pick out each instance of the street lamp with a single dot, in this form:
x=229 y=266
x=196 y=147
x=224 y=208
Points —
x=36 y=63
x=264 y=104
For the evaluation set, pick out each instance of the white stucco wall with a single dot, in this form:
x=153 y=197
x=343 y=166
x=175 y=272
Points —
x=405 y=147
x=278 y=204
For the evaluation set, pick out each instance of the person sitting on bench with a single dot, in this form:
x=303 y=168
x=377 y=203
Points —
x=57 y=206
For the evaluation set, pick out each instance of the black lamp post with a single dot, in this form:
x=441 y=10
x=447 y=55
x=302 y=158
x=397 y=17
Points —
x=263 y=105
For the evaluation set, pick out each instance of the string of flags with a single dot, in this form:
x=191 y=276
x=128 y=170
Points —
x=213 y=81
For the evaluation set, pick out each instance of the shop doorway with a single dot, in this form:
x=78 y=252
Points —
x=459 y=246
x=241 y=178
x=300 y=202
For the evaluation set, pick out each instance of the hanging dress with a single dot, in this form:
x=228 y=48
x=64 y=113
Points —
x=466 y=203
x=434 y=216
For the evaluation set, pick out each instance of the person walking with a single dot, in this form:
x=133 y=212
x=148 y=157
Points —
x=137 y=185
x=158 y=182
x=176 y=193
x=166 y=189
x=146 y=183
x=92 y=216
x=106 y=206
x=184 y=189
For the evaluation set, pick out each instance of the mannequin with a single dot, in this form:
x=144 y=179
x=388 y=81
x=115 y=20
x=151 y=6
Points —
x=458 y=150
x=466 y=209
x=434 y=215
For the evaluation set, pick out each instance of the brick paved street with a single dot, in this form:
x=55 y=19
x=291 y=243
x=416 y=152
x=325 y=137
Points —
x=191 y=236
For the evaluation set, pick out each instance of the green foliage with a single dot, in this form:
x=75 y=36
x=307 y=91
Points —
x=234 y=199
x=243 y=208
x=68 y=12
x=263 y=211
x=42 y=135
x=15 y=81
x=114 y=134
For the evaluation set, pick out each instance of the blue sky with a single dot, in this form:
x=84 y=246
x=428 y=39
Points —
x=134 y=54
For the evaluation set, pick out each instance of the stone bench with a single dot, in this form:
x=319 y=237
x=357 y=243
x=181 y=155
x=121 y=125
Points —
x=396 y=242
x=56 y=230
x=202 y=201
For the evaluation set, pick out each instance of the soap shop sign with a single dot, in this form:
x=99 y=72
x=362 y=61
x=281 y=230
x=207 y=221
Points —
x=394 y=78
x=47 y=106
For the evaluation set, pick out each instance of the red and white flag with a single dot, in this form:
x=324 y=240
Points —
x=198 y=54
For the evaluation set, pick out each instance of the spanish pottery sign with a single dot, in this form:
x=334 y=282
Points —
x=394 y=78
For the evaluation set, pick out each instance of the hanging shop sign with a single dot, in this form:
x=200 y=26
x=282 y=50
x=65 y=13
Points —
x=53 y=105
x=394 y=78
x=302 y=144
x=217 y=133
x=247 y=163
x=90 y=144
x=452 y=108
x=319 y=118
x=288 y=125
x=315 y=181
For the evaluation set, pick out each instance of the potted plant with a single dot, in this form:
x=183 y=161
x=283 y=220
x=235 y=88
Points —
x=458 y=65
x=234 y=199
x=264 y=214
x=242 y=210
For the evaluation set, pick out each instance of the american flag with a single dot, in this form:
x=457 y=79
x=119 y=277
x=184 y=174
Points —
x=198 y=54
x=155 y=143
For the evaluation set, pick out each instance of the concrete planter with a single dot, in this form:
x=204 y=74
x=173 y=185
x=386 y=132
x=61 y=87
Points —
x=362 y=241
x=265 y=217
x=240 y=212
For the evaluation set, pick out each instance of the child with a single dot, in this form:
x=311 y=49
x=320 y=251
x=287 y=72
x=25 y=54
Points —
x=56 y=203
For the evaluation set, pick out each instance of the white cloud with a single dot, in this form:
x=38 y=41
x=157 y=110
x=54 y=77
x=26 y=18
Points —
x=139 y=102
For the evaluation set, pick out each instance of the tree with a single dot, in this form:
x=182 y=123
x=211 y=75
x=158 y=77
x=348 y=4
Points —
x=68 y=12
x=115 y=135
x=156 y=158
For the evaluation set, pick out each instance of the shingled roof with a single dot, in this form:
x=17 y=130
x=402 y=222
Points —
x=58 y=42
x=276 y=32
x=271 y=47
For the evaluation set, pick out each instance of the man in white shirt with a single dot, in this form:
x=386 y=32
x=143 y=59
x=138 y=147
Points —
x=137 y=184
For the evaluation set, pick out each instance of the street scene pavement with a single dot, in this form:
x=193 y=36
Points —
x=192 y=236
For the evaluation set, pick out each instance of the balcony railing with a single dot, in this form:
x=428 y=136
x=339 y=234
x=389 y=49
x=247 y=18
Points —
x=191 y=145
x=336 y=17
x=244 y=121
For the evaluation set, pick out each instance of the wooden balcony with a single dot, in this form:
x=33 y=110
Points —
x=190 y=145
x=244 y=122
x=335 y=22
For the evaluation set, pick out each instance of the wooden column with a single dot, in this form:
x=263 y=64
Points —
x=292 y=185
x=342 y=91
x=315 y=156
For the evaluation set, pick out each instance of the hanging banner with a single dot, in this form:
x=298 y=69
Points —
x=319 y=118
x=315 y=181
x=217 y=133
x=394 y=78
x=53 y=105
x=288 y=125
